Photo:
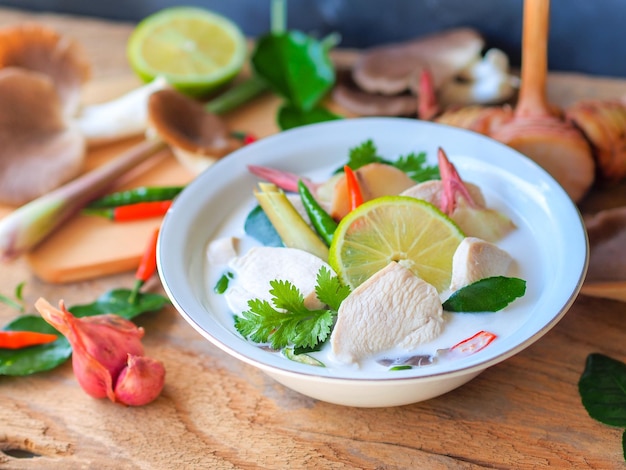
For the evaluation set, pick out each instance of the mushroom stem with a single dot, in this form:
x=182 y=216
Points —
x=30 y=224
x=119 y=118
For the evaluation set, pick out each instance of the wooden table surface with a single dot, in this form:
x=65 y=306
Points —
x=216 y=412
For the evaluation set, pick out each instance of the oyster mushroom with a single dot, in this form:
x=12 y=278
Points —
x=350 y=97
x=196 y=136
x=394 y=68
x=40 y=149
x=486 y=81
x=38 y=48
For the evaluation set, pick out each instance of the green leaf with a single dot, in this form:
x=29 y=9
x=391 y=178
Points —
x=329 y=289
x=291 y=116
x=414 y=165
x=602 y=388
x=48 y=356
x=486 y=295
x=40 y=358
x=286 y=323
x=117 y=301
x=258 y=226
x=364 y=154
x=296 y=66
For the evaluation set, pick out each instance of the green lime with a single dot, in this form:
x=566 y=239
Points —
x=194 y=49
x=395 y=228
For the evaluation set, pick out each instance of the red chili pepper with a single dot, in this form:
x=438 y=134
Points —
x=474 y=343
x=147 y=265
x=141 y=210
x=249 y=138
x=354 y=190
x=245 y=137
x=24 y=339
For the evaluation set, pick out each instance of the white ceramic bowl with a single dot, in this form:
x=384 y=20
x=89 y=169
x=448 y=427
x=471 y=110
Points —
x=553 y=252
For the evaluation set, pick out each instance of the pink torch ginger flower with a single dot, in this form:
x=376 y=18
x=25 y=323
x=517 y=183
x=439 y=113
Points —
x=107 y=355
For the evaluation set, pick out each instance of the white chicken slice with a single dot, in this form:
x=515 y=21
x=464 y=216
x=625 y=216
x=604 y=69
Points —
x=476 y=259
x=393 y=308
x=222 y=250
x=262 y=264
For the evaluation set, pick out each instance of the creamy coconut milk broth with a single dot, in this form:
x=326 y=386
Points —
x=520 y=244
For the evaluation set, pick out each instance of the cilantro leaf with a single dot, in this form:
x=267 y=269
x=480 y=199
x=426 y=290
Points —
x=288 y=322
x=329 y=289
x=413 y=164
x=364 y=154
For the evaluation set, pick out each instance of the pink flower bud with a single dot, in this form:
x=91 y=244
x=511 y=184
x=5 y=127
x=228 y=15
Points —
x=101 y=345
x=140 y=382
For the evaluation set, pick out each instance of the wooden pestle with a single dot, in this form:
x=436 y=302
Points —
x=534 y=130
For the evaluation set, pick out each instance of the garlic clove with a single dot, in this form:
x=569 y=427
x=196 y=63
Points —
x=140 y=382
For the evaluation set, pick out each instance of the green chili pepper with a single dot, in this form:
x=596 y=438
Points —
x=136 y=195
x=323 y=223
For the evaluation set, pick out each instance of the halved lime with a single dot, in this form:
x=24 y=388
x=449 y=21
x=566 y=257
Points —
x=395 y=228
x=195 y=49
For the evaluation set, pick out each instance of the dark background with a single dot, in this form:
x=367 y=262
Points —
x=587 y=36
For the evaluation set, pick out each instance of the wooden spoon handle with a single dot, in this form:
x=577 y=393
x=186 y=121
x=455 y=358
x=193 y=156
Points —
x=532 y=95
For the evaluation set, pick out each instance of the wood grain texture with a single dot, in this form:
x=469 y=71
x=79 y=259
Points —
x=218 y=413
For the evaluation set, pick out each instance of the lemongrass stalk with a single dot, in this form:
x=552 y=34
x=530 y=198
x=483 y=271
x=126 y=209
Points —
x=25 y=227
x=291 y=227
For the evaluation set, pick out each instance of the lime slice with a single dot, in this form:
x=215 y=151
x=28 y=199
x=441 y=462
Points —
x=395 y=228
x=194 y=49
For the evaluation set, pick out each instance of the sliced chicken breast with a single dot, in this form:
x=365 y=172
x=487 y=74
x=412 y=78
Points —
x=393 y=308
x=260 y=265
x=476 y=259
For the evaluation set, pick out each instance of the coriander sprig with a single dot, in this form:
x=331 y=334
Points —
x=286 y=321
x=413 y=164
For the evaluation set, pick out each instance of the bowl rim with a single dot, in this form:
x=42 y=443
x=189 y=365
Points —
x=289 y=368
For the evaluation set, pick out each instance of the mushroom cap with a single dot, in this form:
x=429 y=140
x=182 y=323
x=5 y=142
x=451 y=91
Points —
x=40 y=150
x=187 y=126
x=394 y=68
x=350 y=97
x=38 y=48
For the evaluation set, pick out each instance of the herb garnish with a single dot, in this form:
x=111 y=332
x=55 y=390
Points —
x=490 y=294
x=413 y=164
x=288 y=322
x=296 y=67
x=602 y=388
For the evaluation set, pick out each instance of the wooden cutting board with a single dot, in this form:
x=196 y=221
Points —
x=88 y=247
